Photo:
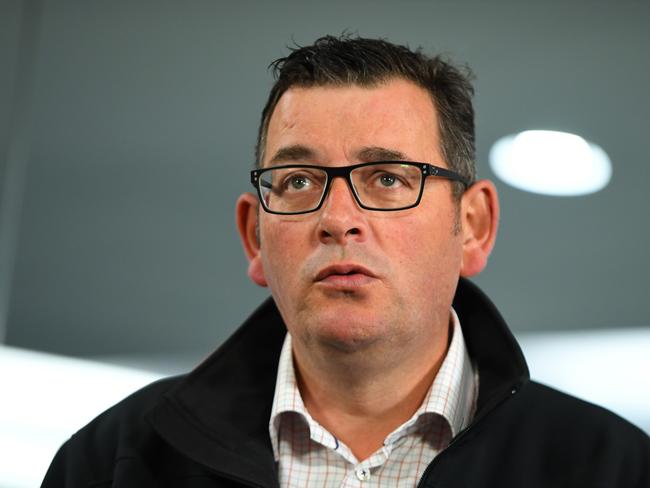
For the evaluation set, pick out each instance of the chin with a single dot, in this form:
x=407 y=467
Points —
x=349 y=343
x=343 y=320
x=345 y=332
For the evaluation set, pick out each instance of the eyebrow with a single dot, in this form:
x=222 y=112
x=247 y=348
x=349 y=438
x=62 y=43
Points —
x=300 y=153
x=292 y=154
x=376 y=153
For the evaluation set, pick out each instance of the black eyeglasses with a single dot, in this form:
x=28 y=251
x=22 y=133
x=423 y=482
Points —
x=383 y=186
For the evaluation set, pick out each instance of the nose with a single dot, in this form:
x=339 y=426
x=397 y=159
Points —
x=341 y=218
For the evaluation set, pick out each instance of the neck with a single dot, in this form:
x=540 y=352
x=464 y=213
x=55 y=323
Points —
x=360 y=397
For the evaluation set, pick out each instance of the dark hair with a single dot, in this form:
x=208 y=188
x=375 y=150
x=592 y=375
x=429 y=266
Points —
x=350 y=60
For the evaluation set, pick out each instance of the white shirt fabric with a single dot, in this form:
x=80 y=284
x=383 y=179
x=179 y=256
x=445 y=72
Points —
x=310 y=456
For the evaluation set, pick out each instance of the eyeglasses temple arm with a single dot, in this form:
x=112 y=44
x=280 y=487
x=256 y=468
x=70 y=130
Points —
x=445 y=173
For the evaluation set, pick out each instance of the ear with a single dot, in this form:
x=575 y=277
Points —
x=246 y=214
x=479 y=220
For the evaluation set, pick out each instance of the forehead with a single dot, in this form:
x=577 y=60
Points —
x=336 y=123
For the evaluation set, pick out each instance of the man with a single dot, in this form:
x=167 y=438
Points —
x=395 y=370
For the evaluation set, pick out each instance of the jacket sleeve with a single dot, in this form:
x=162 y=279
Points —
x=112 y=450
x=69 y=468
x=55 y=476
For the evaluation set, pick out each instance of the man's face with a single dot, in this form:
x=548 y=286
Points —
x=348 y=278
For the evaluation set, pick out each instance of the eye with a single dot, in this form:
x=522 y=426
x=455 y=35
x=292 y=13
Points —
x=386 y=179
x=298 y=182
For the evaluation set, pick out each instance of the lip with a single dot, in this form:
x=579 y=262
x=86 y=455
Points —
x=345 y=275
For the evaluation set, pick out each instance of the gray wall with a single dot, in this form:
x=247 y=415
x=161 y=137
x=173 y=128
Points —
x=18 y=36
x=144 y=117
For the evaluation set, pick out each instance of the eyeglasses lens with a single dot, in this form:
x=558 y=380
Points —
x=381 y=186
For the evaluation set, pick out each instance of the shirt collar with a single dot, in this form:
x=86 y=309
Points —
x=452 y=394
x=454 y=390
x=287 y=396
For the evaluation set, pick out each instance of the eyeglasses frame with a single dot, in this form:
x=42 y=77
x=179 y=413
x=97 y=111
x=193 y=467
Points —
x=345 y=171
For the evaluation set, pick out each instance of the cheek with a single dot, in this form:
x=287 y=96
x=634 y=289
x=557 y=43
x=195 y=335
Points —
x=283 y=249
x=405 y=249
x=424 y=254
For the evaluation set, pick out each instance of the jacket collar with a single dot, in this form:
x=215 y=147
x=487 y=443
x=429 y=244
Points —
x=218 y=414
x=502 y=369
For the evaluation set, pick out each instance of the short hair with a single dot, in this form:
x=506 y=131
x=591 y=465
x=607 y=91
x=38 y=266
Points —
x=346 y=60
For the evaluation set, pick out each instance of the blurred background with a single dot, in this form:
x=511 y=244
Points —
x=127 y=132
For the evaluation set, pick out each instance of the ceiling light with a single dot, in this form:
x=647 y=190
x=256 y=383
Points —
x=551 y=163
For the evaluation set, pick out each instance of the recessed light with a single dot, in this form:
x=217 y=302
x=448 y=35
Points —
x=551 y=163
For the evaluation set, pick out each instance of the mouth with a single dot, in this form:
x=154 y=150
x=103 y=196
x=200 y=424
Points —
x=345 y=276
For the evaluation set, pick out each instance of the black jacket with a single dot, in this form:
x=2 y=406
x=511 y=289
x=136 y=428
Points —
x=210 y=428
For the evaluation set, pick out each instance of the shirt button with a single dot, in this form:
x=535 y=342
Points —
x=363 y=474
